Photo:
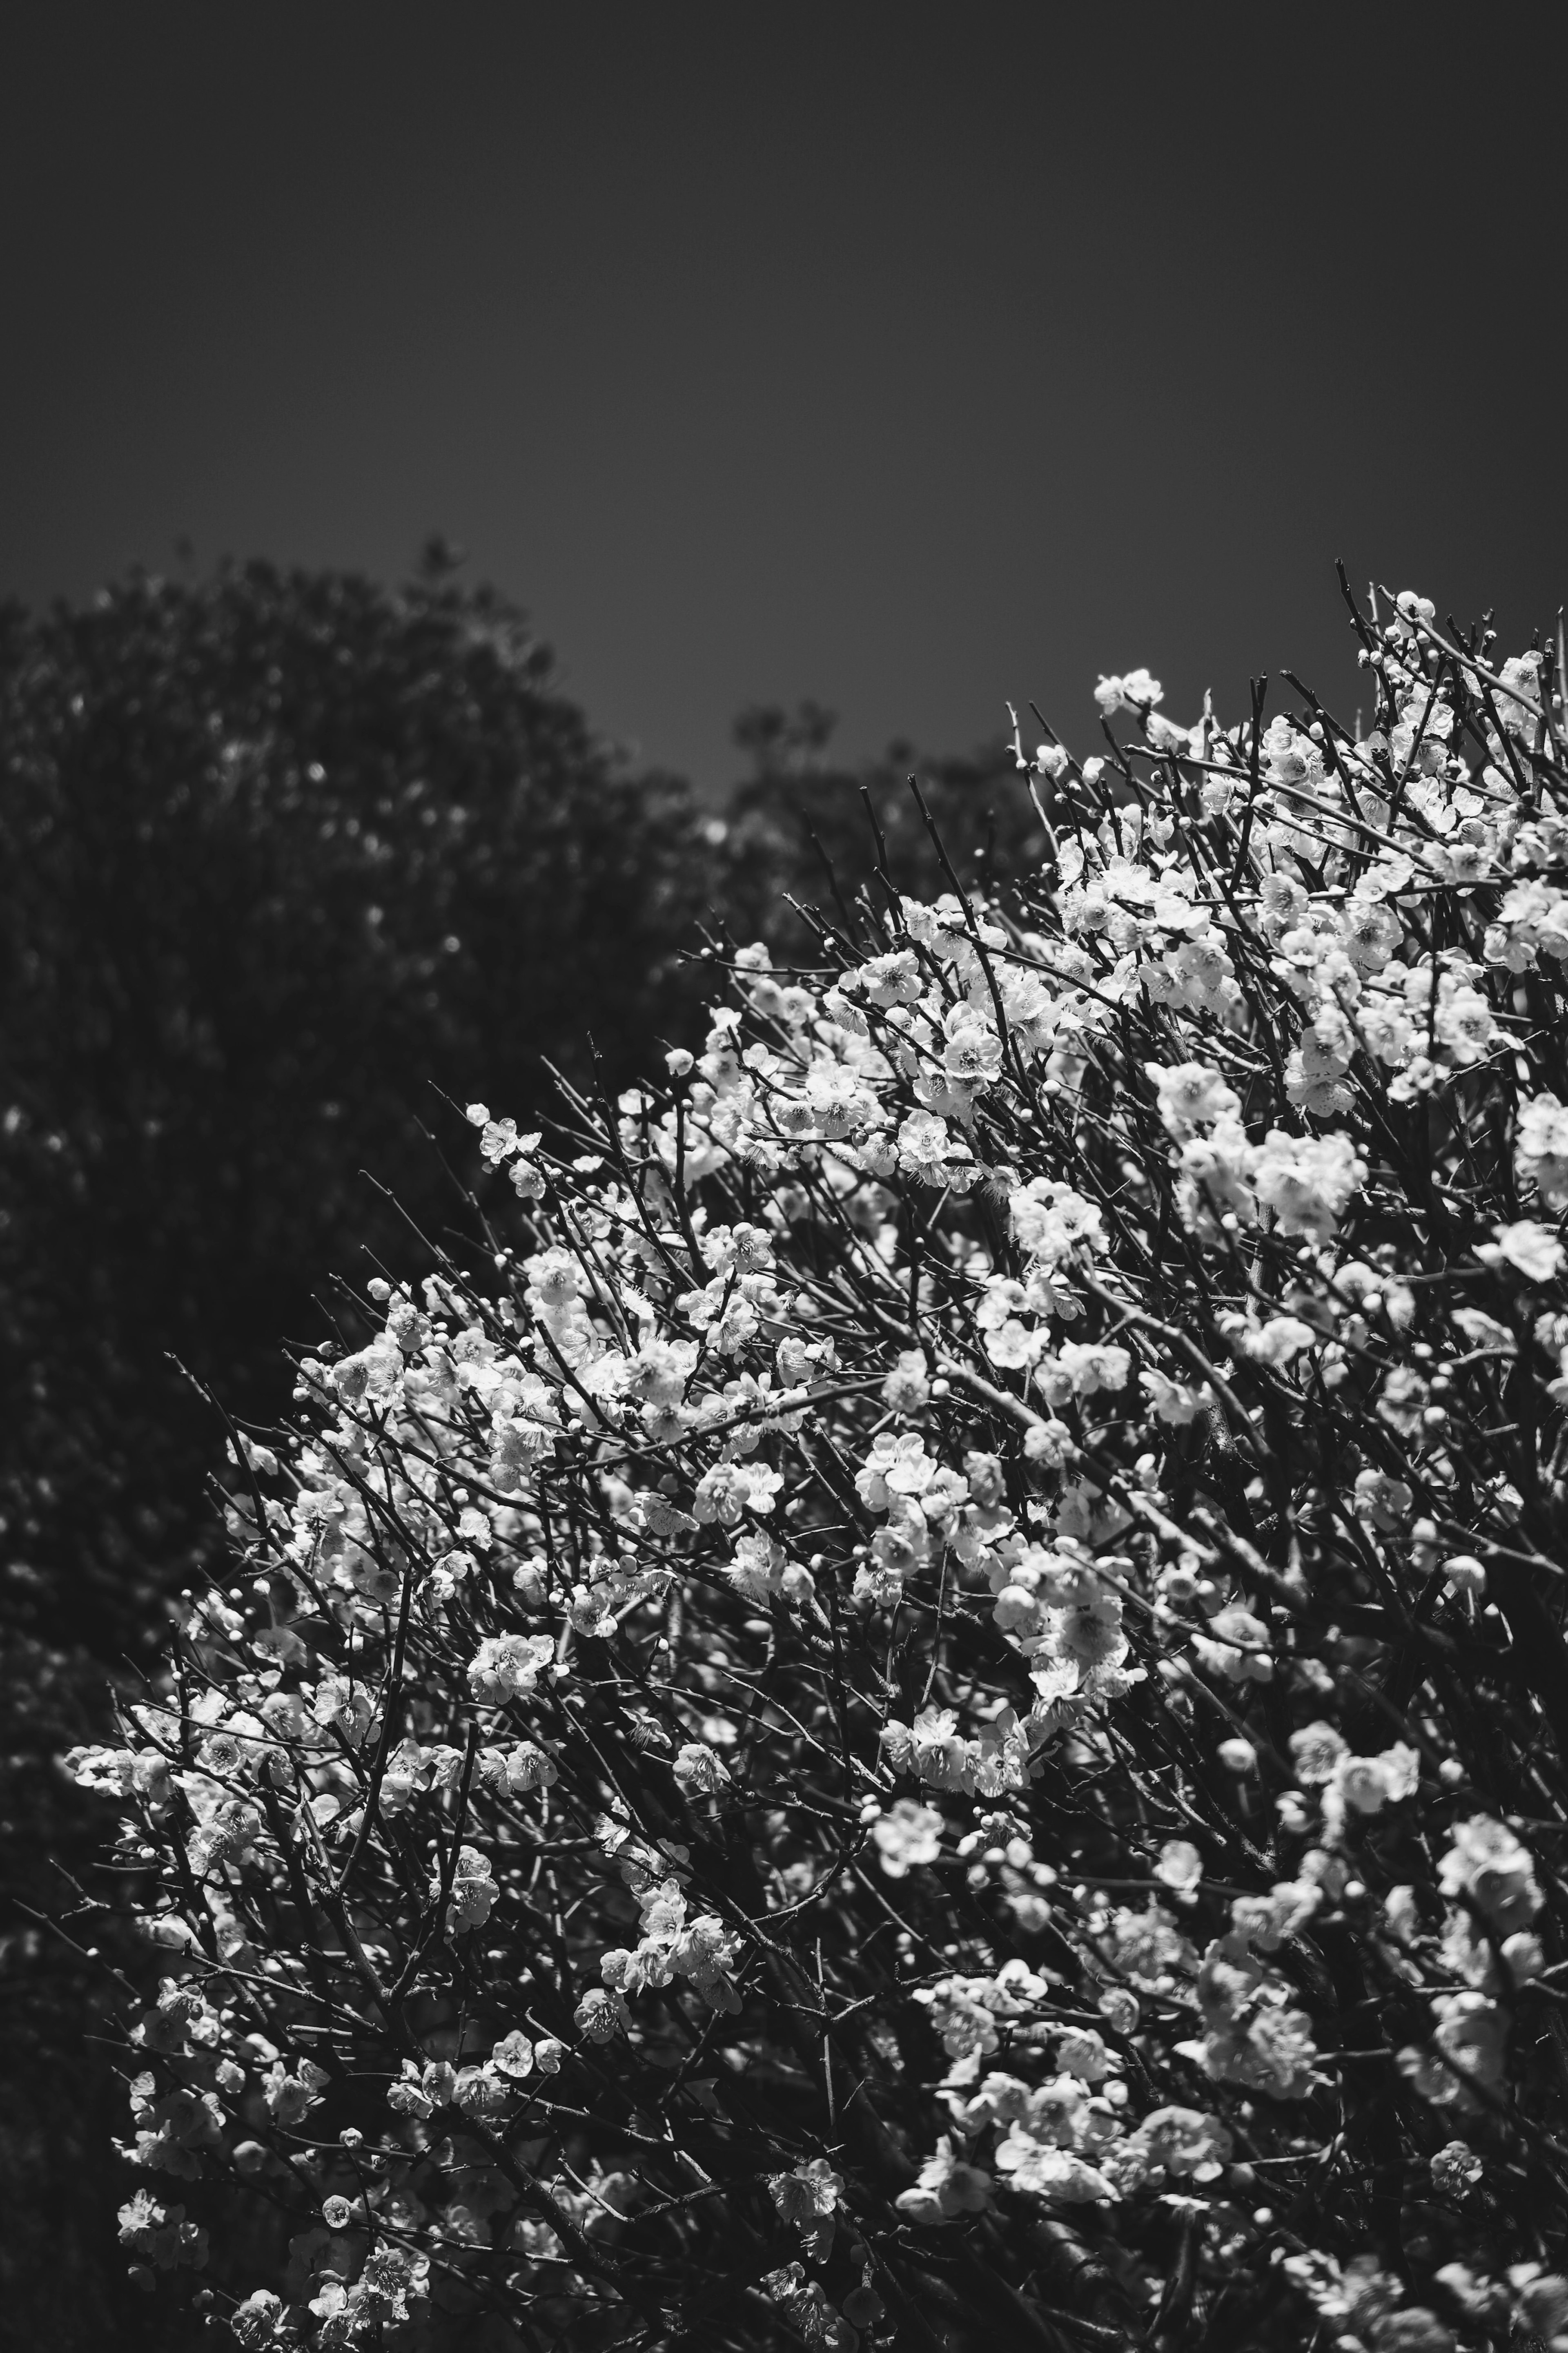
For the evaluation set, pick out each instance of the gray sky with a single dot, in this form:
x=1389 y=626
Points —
x=905 y=357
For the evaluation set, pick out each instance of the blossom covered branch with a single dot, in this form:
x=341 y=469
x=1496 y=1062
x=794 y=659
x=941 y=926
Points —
x=939 y=1706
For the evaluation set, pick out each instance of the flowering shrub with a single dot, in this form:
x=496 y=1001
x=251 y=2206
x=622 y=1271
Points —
x=937 y=1712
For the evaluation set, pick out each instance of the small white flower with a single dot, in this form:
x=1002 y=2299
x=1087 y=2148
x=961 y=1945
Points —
x=1179 y=1865
x=1531 y=1249
x=1134 y=691
x=1235 y=1646
x=1192 y=1096
x=699 y=1770
x=906 y=1835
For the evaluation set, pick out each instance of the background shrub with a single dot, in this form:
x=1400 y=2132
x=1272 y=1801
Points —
x=277 y=849
x=807 y=830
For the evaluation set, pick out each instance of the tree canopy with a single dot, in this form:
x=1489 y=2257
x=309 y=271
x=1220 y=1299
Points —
x=277 y=850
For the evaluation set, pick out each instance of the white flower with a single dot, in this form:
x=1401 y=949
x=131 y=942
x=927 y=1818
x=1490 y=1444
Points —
x=500 y=1140
x=1488 y=1863
x=1532 y=1249
x=1049 y=1220
x=1386 y=1502
x=909 y=1833
x=474 y=1892
x=1091 y=1365
x=910 y=1470
x=1279 y=1341
x=1058 y=2174
x=813 y=2189
x=163 y=2236
x=931 y=1155
x=1541 y=1148
x=1317 y=1752
x=1464 y=1025
x=1364 y=1785
x=1215 y=1175
x=908 y=1386
x=946 y=2186
x=1049 y=1443
x=1179 y=1865
x=513 y=2055
x=1191 y=1096
x=1519 y=694
x=1464 y=1573
x=507 y=1666
x=1456 y=2168
x=1411 y=610
x=1306 y=1180
x=659 y=1373
x=1177 y=1402
x=1013 y=1345
x=974 y=1053
x=1473 y=2032
x=699 y=1770
x=893 y=979
x=1272 y=2052
x=1369 y=933
x=601 y=2014
x=729 y=1488
x=1088 y=1633
x=1185 y=2141
x=1235 y=1646
x=1135 y=690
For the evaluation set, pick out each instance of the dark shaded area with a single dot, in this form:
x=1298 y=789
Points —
x=808 y=834
x=280 y=855
x=277 y=853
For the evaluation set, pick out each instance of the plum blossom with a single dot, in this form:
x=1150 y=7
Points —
x=1528 y=1247
x=907 y=1835
x=1135 y=690
x=1541 y=1148
x=1236 y=1646
x=1192 y=1096
x=986 y=1476
x=1307 y=1181
x=1488 y=1864
x=507 y=1666
x=946 y=2187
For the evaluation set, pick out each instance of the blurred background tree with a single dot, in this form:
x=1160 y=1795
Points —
x=804 y=827
x=279 y=852
x=276 y=852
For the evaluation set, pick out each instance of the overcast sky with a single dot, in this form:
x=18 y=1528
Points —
x=905 y=357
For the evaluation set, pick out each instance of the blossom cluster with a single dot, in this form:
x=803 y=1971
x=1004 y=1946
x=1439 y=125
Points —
x=928 y=1701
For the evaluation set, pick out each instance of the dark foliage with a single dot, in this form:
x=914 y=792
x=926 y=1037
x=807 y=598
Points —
x=808 y=829
x=276 y=852
x=279 y=851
